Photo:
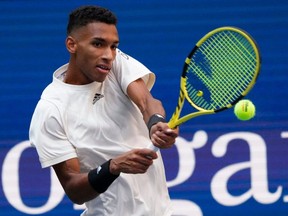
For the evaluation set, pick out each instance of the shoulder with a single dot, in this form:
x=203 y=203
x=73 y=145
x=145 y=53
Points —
x=125 y=60
x=128 y=69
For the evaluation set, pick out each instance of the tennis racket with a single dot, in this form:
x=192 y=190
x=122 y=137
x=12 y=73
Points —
x=220 y=70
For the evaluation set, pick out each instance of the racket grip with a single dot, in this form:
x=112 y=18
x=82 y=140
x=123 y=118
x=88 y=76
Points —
x=152 y=147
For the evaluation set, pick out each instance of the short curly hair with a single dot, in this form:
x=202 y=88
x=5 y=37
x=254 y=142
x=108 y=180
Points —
x=88 y=14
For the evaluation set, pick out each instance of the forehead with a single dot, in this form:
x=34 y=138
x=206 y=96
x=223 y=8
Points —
x=97 y=30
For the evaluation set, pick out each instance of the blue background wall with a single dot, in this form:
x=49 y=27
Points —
x=159 y=34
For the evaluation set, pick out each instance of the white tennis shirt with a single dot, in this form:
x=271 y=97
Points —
x=97 y=122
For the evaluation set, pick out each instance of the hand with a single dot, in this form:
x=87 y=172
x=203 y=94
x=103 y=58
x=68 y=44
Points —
x=162 y=136
x=134 y=161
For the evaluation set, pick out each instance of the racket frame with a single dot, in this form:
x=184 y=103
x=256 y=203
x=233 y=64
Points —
x=175 y=120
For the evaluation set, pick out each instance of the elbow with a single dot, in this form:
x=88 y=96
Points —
x=76 y=200
x=80 y=197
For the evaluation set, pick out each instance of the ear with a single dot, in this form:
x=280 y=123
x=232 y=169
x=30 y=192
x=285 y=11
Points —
x=71 y=44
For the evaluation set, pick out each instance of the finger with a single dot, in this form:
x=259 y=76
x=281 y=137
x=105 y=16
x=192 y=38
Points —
x=141 y=170
x=137 y=168
x=147 y=153
x=160 y=143
x=134 y=167
x=162 y=137
x=171 y=133
x=142 y=162
x=163 y=141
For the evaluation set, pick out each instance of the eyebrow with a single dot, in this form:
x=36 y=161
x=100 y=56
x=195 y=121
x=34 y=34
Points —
x=103 y=40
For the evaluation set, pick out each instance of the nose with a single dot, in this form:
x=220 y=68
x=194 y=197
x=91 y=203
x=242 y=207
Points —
x=109 y=54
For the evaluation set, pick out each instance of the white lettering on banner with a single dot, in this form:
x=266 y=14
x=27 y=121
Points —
x=258 y=169
x=257 y=165
x=187 y=159
x=185 y=208
x=10 y=181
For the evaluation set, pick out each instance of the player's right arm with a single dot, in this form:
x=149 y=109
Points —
x=75 y=184
x=80 y=188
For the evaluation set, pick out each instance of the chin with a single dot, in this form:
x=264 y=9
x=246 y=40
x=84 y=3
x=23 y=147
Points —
x=100 y=79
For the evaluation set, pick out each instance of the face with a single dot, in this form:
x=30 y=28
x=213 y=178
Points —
x=93 y=50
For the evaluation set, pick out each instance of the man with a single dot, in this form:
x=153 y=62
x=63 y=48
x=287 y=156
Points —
x=95 y=120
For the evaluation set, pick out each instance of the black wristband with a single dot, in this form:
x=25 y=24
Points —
x=154 y=119
x=101 y=178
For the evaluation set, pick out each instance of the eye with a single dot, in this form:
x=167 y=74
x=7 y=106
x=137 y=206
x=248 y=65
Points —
x=97 y=44
x=114 y=47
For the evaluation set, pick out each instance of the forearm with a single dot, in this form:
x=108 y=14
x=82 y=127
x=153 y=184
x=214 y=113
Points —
x=140 y=95
x=83 y=187
x=79 y=190
x=153 y=114
x=152 y=107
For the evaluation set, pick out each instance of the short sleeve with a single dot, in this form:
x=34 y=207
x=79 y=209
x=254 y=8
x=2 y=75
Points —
x=127 y=69
x=47 y=134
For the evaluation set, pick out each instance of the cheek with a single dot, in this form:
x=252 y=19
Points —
x=84 y=59
x=86 y=52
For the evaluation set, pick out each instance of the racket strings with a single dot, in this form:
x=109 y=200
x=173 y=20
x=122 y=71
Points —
x=229 y=47
x=225 y=63
x=232 y=64
x=246 y=57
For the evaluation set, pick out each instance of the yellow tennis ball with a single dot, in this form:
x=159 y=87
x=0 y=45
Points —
x=244 y=110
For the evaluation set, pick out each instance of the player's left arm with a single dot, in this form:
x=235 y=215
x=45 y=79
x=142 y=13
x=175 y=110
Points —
x=161 y=135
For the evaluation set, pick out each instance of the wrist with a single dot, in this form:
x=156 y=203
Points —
x=113 y=168
x=154 y=119
x=101 y=177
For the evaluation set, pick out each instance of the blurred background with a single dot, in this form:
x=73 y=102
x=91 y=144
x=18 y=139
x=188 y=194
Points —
x=219 y=165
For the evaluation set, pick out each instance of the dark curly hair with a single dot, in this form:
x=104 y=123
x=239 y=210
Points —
x=89 y=14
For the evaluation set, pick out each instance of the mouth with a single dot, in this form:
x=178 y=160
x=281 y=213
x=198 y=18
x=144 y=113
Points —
x=104 y=68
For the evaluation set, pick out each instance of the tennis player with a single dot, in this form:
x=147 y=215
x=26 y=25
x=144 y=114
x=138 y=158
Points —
x=95 y=119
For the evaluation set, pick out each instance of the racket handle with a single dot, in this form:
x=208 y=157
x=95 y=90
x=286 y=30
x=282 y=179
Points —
x=152 y=147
